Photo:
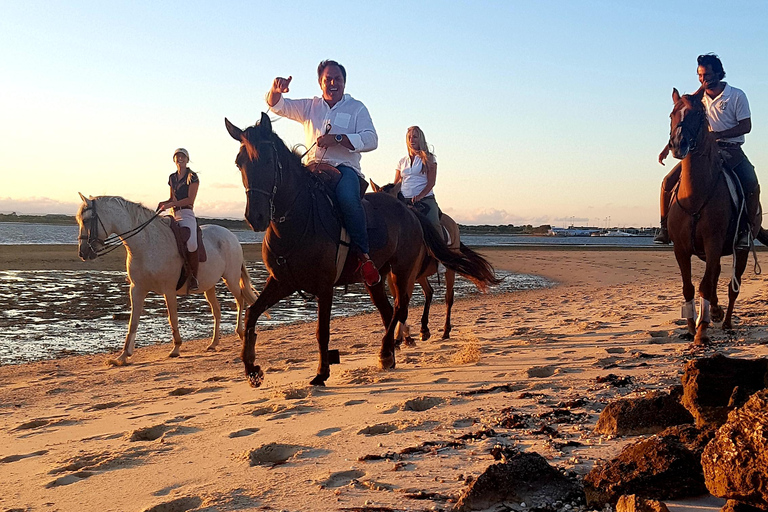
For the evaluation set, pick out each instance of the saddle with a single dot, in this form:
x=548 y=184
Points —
x=181 y=234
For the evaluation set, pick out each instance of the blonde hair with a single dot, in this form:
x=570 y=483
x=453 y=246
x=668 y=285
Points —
x=421 y=149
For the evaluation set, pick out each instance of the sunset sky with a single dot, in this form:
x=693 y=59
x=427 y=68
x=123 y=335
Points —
x=540 y=112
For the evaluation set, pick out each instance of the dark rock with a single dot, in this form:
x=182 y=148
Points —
x=665 y=466
x=710 y=386
x=634 y=503
x=737 y=506
x=735 y=462
x=524 y=477
x=643 y=415
x=615 y=380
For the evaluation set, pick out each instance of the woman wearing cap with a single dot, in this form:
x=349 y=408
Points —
x=418 y=173
x=184 y=184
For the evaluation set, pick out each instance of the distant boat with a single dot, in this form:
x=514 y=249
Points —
x=617 y=233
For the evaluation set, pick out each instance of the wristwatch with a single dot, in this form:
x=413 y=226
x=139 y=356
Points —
x=339 y=137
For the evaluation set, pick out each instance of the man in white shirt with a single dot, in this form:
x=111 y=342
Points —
x=729 y=119
x=337 y=128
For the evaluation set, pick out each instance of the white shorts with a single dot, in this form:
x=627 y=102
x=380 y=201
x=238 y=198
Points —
x=186 y=218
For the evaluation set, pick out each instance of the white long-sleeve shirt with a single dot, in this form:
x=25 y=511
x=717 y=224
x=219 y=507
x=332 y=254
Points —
x=347 y=117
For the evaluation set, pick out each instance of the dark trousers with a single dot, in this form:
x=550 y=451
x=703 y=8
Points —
x=351 y=206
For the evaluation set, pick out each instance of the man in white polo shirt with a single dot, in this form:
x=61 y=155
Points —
x=729 y=119
x=337 y=128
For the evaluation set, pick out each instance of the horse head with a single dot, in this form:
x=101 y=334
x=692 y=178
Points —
x=687 y=120
x=260 y=169
x=88 y=241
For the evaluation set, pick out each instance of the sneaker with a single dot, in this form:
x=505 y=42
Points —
x=662 y=237
x=370 y=274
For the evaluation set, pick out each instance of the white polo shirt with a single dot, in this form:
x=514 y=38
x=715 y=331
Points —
x=414 y=181
x=347 y=117
x=726 y=110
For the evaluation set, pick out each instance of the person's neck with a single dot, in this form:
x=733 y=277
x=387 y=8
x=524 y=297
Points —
x=332 y=103
x=716 y=90
x=181 y=171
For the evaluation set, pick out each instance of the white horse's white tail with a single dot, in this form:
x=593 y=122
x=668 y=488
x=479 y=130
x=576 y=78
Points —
x=249 y=294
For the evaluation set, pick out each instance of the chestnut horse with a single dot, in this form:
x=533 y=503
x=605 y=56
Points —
x=702 y=219
x=431 y=269
x=303 y=235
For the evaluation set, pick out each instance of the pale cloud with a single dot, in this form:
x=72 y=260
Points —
x=494 y=216
x=225 y=185
x=38 y=206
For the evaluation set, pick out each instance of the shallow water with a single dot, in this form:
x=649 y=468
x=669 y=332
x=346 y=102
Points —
x=47 y=314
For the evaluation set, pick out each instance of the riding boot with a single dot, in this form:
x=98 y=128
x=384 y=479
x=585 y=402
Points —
x=194 y=263
x=662 y=237
x=753 y=215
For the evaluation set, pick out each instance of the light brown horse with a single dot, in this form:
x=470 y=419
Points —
x=303 y=235
x=455 y=244
x=702 y=219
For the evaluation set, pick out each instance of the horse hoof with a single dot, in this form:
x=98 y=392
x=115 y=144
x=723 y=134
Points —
x=387 y=363
x=425 y=335
x=446 y=335
x=173 y=354
x=701 y=341
x=256 y=377
x=117 y=362
x=211 y=348
x=319 y=380
x=410 y=342
x=686 y=336
x=727 y=326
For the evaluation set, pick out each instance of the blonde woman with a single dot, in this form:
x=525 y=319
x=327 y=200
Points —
x=184 y=184
x=418 y=173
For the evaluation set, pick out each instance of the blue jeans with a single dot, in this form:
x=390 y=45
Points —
x=348 y=196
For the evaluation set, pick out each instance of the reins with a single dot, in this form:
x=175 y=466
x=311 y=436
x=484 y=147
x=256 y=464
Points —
x=111 y=242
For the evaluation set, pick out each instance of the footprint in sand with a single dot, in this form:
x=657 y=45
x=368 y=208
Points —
x=421 y=403
x=177 y=505
x=293 y=411
x=381 y=428
x=244 y=432
x=354 y=402
x=328 y=431
x=540 y=371
x=341 y=478
x=106 y=405
x=273 y=453
x=14 y=458
x=464 y=422
x=268 y=409
x=148 y=433
x=69 y=479
x=292 y=393
x=182 y=391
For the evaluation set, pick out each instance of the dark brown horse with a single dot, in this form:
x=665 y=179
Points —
x=702 y=219
x=302 y=238
x=431 y=269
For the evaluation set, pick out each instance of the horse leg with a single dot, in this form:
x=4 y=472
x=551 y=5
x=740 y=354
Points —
x=715 y=310
x=381 y=301
x=450 y=278
x=273 y=291
x=234 y=288
x=684 y=263
x=323 y=334
x=173 y=319
x=426 y=287
x=706 y=293
x=210 y=296
x=387 y=353
x=741 y=263
x=137 y=307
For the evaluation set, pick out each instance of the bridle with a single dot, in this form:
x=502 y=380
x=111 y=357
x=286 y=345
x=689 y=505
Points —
x=689 y=127
x=277 y=179
x=111 y=242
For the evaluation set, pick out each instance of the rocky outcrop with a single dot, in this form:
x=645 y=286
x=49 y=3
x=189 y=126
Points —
x=634 y=503
x=523 y=478
x=715 y=385
x=665 y=466
x=643 y=415
x=735 y=462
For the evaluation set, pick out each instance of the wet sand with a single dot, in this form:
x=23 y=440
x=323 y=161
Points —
x=190 y=434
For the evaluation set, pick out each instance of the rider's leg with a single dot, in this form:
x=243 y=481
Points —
x=746 y=174
x=190 y=222
x=667 y=185
x=348 y=196
x=433 y=213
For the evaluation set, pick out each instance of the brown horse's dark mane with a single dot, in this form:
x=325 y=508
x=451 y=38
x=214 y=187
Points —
x=253 y=135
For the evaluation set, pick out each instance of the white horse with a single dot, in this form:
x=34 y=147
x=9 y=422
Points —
x=154 y=264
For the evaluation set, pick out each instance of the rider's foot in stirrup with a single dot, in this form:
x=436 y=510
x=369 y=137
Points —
x=662 y=237
x=370 y=273
x=193 y=284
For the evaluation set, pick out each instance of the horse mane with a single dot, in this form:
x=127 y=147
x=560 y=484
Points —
x=137 y=211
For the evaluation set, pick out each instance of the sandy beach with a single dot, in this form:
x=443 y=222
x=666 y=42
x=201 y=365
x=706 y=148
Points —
x=190 y=434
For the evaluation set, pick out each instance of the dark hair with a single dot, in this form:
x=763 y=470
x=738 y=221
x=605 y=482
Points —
x=321 y=67
x=710 y=59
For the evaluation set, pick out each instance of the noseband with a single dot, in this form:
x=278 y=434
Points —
x=93 y=231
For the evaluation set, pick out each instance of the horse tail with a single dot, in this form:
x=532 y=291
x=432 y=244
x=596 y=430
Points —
x=762 y=237
x=465 y=262
x=246 y=288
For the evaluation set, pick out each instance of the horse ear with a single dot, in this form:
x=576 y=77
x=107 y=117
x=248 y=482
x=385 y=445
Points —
x=85 y=200
x=374 y=186
x=675 y=95
x=235 y=132
x=265 y=123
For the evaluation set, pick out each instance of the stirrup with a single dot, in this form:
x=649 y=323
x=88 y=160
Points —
x=662 y=237
x=744 y=241
x=193 y=285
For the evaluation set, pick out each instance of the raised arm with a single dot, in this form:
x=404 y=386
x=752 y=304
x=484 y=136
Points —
x=279 y=86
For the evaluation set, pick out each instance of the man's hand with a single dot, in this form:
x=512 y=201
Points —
x=280 y=85
x=326 y=141
x=663 y=155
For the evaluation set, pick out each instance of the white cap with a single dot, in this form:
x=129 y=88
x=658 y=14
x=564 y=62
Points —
x=183 y=151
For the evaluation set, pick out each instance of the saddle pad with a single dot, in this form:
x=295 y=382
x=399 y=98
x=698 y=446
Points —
x=733 y=189
x=341 y=253
x=182 y=235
